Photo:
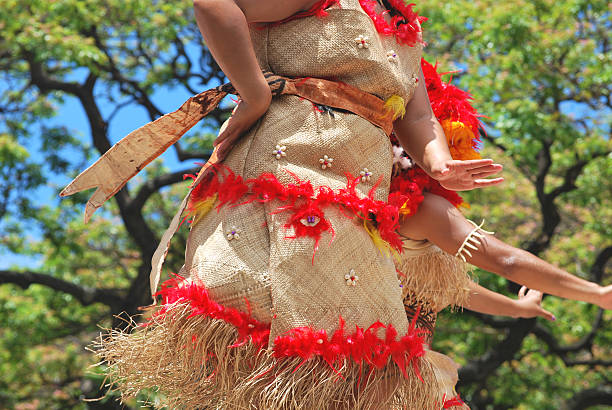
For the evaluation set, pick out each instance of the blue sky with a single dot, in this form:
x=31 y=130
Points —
x=72 y=115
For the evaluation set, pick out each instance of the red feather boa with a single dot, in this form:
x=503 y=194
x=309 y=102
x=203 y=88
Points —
x=302 y=200
x=406 y=28
x=361 y=346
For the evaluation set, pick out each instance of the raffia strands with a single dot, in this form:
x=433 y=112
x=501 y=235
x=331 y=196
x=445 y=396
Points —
x=189 y=357
x=433 y=275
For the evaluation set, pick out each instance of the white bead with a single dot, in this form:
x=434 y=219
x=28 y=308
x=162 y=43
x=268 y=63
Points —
x=326 y=162
x=365 y=175
x=251 y=326
x=362 y=41
x=233 y=233
x=279 y=152
x=351 y=278
x=320 y=341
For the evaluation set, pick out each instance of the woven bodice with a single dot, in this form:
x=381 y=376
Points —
x=343 y=46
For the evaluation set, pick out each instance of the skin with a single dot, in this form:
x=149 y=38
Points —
x=528 y=304
x=224 y=26
x=422 y=136
x=438 y=221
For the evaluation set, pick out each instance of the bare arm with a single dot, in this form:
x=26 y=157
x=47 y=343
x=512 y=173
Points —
x=441 y=223
x=527 y=305
x=420 y=133
x=422 y=137
x=224 y=26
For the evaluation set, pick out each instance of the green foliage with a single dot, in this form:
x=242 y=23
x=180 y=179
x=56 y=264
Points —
x=540 y=70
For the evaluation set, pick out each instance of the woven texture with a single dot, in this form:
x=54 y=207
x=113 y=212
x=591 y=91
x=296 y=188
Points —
x=282 y=280
x=326 y=48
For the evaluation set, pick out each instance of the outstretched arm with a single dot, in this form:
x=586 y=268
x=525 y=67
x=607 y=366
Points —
x=438 y=221
x=528 y=304
x=422 y=137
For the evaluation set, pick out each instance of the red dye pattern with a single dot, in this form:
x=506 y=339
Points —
x=318 y=9
x=406 y=28
x=449 y=101
x=266 y=188
x=362 y=346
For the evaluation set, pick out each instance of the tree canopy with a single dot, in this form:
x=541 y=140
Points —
x=540 y=70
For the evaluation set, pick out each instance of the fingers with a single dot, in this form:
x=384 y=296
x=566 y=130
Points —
x=484 y=174
x=521 y=292
x=482 y=183
x=470 y=163
x=547 y=315
x=536 y=294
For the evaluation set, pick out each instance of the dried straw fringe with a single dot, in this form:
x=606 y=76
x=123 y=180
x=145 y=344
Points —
x=434 y=277
x=188 y=361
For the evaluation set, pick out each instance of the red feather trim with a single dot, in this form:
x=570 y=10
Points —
x=406 y=28
x=362 y=346
x=410 y=185
x=266 y=188
x=453 y=402
x=449 y=101
x=178 y=290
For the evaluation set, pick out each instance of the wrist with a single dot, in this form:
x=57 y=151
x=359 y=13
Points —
x=518 y=310
x=258 y=94
x=436 y=168
x=597 y=294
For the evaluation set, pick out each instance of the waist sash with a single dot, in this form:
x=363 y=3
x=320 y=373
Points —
x=132 y=153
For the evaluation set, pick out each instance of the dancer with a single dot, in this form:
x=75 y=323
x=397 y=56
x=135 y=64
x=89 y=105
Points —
x=285 y=261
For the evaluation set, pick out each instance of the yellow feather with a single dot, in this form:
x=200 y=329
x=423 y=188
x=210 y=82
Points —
x=382 y=245
x=396 y=105
x=202 y=208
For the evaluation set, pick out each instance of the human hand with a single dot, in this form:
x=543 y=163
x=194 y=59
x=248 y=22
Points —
x=530 y=304
x=458 y=175
x=605 y=300
x=243 y=117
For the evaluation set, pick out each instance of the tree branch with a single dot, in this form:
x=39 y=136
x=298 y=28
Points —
x=83 y=294
x=153 y=185
x=553 y=345
x=590 y=397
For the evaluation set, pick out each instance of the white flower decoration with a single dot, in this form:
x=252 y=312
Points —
x=233 y=233
x=362 y=41
x=399 y=158
x=391 y=56
x=366 y=175
x=326 y=162
x=279 y=152
x=413 y=80
x=351 y=278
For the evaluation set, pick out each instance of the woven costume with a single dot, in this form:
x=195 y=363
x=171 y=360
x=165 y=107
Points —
x=289 y=296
